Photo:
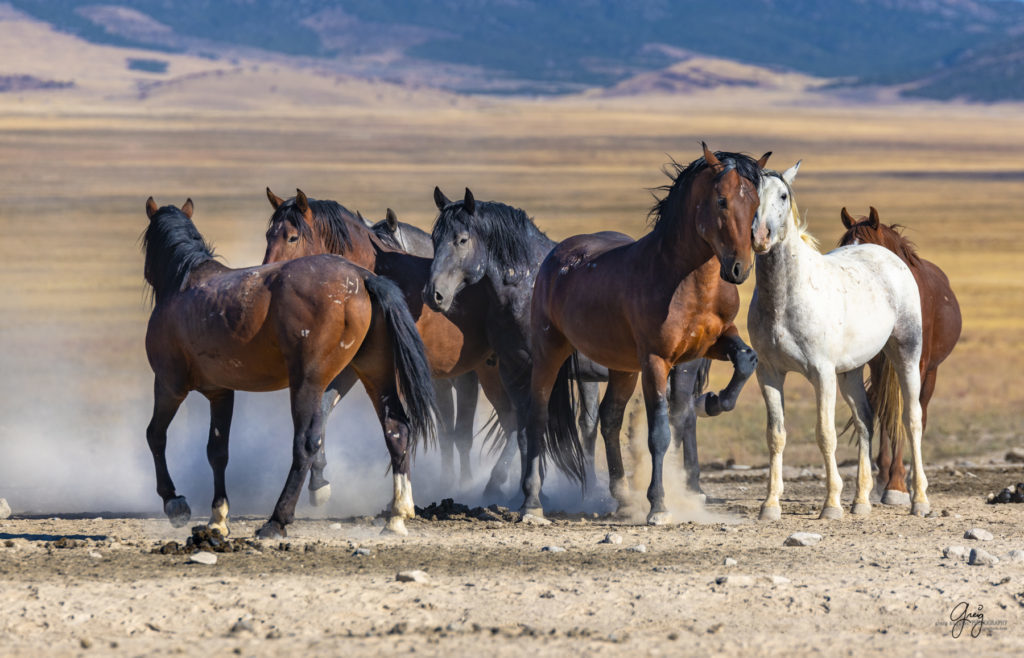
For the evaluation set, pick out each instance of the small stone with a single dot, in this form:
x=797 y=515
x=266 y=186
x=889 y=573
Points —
x=980 y=556
x=531 y=519
x=1015 y=455
x=738 y=579
x=553 y=549
x=95 y=555
x=777 y=580
x=243 y=626
x=359 y=552
x=5 y=509
x=274 y=634
x=802 y=539
x=611 y=538
x=85 y=643
x=639 y=548
x=729 y=562
x=978 y=533
x=335 y=526
x=954 y=552
x=203 y=557
x=1016 y=555
x=413 y=576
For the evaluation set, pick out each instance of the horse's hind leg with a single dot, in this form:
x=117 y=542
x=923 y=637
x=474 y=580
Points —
x=319 y=487
x=907 y=363
x=446 y=437
x=824 y=381
x=494 y=391
x=165 y=405
x=590 y=397
x=467 y=393
x=851 y=384
x=659 y=435
x=221 y=405
x=613 y=408
x=395 y=423
x=771 y=382
x=682 y=413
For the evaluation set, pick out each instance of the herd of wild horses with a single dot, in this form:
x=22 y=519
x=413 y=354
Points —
x=488 y=301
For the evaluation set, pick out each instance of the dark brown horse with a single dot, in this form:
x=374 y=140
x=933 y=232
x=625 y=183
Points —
x=941 y=324
x=640 y=307
x=294 y=325
x=455 y=344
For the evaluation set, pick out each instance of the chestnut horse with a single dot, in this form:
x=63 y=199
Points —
x=217 y=330
x=455 y=344
x=941 y=324
x=641 y=307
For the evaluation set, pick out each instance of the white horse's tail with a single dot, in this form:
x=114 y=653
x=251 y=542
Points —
x=887 y=401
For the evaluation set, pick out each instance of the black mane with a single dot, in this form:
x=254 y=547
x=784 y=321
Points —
x=682 y=180
x=506 y=231
x=331 y=220
x=173 y=247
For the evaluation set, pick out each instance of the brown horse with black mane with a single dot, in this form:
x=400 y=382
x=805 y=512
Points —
x=941 y=323
x=640 y=307
x=293 y=325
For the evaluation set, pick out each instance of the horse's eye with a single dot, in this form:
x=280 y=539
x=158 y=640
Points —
x=785 y=196
x=293 y=239
x=463 y=240
x=722 y=203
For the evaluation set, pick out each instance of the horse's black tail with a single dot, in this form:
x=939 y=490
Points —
x=562 y=439
x=415 y=385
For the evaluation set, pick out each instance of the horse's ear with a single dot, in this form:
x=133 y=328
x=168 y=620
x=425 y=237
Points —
x=790 y=174
x=187 y=208
x=440 y=199
x=151 y=207
x=275 y=200
x=469 y=203
x=710 y=158
x=301 y=202
x=848 y=221
x=365 y=221
x=873 y=218
x=764 y=160
x=392 y=220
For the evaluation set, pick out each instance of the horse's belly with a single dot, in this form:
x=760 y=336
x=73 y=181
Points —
x=240 y=372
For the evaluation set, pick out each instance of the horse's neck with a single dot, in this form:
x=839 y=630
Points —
x=675 y=254
x=781 y=270
x=509 y=288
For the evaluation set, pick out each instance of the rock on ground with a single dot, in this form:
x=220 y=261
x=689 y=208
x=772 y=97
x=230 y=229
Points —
x=978 y=533
x=203 y=557
x=611 y=538
x=802 y=539
x=412 y=576
x=980 y=556
x=954 y=552
x=5 y=509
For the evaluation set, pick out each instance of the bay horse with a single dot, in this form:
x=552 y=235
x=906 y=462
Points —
x=501 y=247
x=826 y=316
x=456 y=347
x=641 y=307
x=941 y=325
x=292 y=325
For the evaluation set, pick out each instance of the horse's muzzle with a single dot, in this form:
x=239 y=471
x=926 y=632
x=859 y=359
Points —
x=733 y=270
x=435 y=299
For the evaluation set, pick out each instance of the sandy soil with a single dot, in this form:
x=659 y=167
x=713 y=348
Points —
x=871 y=585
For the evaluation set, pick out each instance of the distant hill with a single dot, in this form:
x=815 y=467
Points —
x=941 y=49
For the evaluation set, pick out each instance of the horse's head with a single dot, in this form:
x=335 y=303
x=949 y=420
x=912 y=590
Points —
x=774 y=216
x=397 y=235
x=727 y=206
x=459 y=257
x=866 y=230
x=291 y=229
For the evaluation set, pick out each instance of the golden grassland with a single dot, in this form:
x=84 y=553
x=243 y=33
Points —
x=73 y=311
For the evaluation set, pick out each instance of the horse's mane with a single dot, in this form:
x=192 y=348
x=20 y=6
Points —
x=380 y=229
x=799 y=221
x=330 y=218
x=505 y=231
x=173 y=247
x=894 y=241
x=677 y=192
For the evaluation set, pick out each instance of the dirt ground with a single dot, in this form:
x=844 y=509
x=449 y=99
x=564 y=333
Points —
x=871 y=585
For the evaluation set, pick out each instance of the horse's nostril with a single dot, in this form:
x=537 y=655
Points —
x=737 y=269
x=438 y=297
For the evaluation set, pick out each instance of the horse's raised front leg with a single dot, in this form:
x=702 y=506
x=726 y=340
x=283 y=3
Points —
x=684 y=387
x=165 y=405
x=319 y=487
x=659 y=434
x=825 y=385
x=307 y=421
x=744 y=362
x=222 y=404
x=613 y=408
x=851 y=385
x=771 y=382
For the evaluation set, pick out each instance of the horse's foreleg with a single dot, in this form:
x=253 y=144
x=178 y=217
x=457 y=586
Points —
x=549 y=355
x=824 y=382
x=467 y=393
x=851 y=384
x=682 y=413
x=613 y=407
x=221 y=406
x=446 y=425
x=771 y=382
x=319 y=487
x=744 y=361
x=307 y=420
x=494 y=390
x=165 y=405
x=590 y=394
x=659 y=434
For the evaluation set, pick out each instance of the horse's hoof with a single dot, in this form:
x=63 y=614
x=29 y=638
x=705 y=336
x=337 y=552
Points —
x=319 y=497
x=659 y=518
x=395 y=526
x=831 y=513
x=773 y=513
x=532 y=511
x=271 y=530
x=178 y=512
x=222 y=528
x=861 y=508
x=920 y=509
x=894 y=497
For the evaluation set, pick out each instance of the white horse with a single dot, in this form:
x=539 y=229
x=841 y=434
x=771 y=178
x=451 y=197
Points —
x=825 y=316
